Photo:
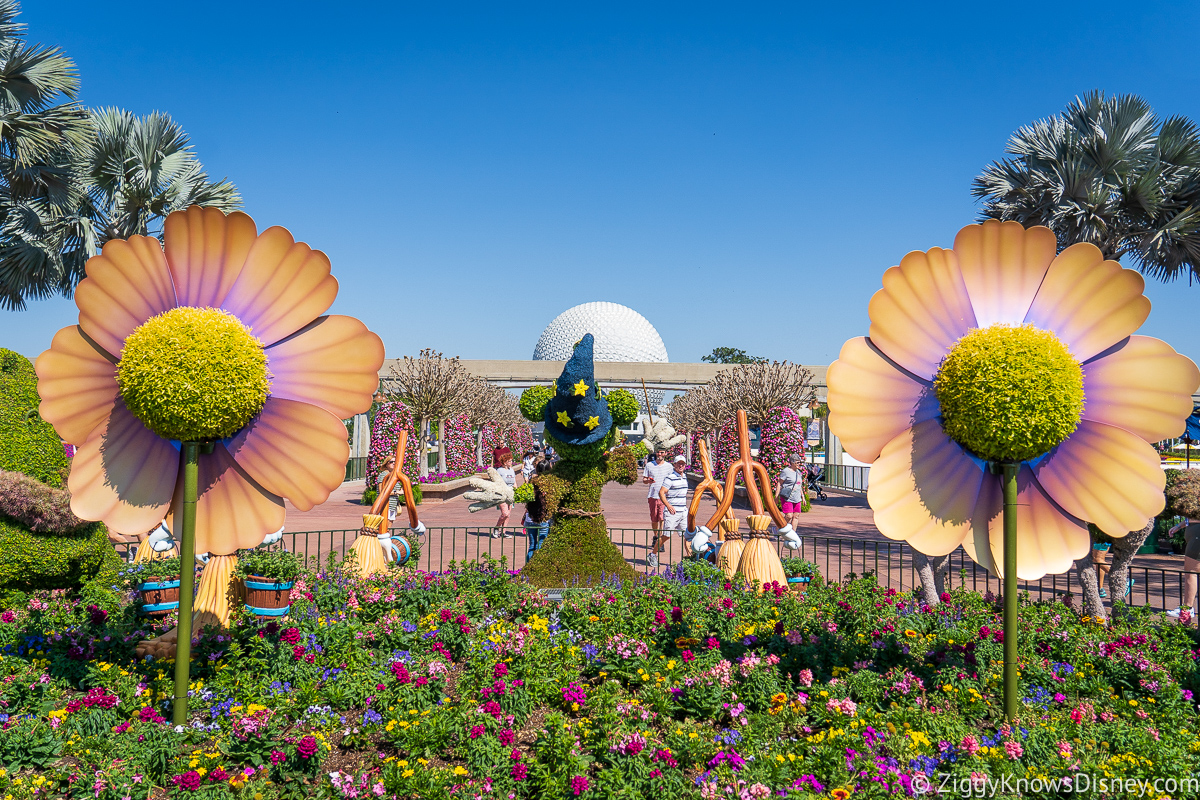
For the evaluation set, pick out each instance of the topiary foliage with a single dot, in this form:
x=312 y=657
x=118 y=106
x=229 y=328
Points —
x=37 y=506
x=578 y=549
x=83 y=559
x=1009 y=393
x=28 y=444
x=1183 y=495
x=533 y=402
x=623 y=406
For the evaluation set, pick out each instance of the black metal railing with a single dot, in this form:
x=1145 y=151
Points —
x=356 y=468
x=837 y=557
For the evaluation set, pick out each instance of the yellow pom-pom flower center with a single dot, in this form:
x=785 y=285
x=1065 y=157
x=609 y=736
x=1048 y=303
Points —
x=1009 y=393
x=193 y=374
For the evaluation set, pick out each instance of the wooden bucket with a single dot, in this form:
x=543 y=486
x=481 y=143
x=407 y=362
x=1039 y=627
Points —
x=159 y=596
x=266 y=598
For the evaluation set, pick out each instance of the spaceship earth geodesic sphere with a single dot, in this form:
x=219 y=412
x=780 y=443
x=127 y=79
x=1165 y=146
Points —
x=621 y=334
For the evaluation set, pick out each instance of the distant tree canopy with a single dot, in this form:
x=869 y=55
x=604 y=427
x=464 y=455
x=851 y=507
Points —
x=1108 y=171
x=72 y=178
x=731 y=355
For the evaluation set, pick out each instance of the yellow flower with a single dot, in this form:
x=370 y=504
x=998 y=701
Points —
x=910 y=633
x=460 y=770
x=408 y=773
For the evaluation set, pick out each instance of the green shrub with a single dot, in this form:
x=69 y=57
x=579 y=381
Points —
x=370 y=496
x=28 y=443
x=533 y=402
x=84 y=560
x=623 y=406
x=275 y=565
x=800 y=568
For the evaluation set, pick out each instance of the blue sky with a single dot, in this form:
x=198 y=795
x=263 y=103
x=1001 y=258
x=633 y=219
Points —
x=741 y=175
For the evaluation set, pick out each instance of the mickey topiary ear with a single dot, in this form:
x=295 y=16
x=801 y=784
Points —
x=533 y=402
x=623 y=406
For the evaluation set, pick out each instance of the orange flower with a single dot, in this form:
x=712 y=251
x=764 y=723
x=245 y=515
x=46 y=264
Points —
x=322 y=369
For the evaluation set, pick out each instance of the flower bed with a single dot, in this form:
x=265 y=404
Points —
x=471 y=684
x=445 y=477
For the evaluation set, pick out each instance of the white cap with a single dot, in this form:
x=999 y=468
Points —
x=680 y=458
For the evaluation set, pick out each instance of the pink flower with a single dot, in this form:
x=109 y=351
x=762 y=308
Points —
x=805 y=677
x=1064 y=749
x=1013 y=750
x=970 y=745
x=579 y=784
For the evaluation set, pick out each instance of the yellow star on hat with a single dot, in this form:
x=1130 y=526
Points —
x=581 y=389
x=564 y=419
x=592 y=423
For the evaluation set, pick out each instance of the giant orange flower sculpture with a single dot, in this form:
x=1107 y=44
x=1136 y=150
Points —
x=999 y=351
x=216 y=336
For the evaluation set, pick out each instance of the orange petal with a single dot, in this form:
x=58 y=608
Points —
x=1089 y=303
x=284 y=286
x=1143 y=386
x=232 y=511
x=921 y=311
x=123 y=474
x=127 y=284
x=332 y=363
x=206 y=250
x=871 y=401
x=1003 y=265
x=923 y=489
x=77 y=382
x=295 y=450
x=1048 y=539
x=1105 y=475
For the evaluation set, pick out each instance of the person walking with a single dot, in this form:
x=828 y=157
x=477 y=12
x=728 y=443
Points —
x=673 y=495
x=502 y=460
x=537 y=523
x=527 y=462
x=1191 y=567
x=792 y=481
x=652 y=476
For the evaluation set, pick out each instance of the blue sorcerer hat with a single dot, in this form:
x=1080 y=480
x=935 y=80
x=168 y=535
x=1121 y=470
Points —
x=578 y=414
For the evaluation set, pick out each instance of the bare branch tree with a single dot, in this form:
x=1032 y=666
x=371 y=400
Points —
x=433 y=388
x=486 y=404
x=758 y=388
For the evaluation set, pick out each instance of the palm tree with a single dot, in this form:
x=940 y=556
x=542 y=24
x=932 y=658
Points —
x=139 y=170
x=43 y=246
x=1106 y=171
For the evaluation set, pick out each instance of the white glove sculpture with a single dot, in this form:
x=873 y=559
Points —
x=420 y=529
x=699 y=539
x=490 y=492
x=790 y=538
x=661 y=436
x=160 y=539
x=272 y=538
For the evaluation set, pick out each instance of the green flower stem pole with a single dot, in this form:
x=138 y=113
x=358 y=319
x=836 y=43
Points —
x=187 y=579
x=1009 y=483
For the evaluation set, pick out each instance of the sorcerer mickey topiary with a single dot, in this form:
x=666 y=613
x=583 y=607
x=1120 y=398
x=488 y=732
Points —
x=581 y=425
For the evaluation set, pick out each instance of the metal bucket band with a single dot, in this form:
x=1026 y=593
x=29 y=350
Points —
x=160 y=606
x=274 y=587
x=159 y=585
x=268 y=612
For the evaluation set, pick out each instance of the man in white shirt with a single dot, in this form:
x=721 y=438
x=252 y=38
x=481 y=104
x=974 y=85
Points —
x=652 y=476
x=674 y=498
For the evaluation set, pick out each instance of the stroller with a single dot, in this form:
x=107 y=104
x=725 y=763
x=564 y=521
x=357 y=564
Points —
x=816 y=474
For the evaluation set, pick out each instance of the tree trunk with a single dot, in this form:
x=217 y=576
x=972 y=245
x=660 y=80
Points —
x=422 y=431
x=1089 y=584
x=479 y=447
x=441 y=445
x=933 y=576
x=1121 y=555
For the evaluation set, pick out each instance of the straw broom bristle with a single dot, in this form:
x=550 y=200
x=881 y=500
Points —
x=760 y=563
x=372 y=522
x=147 y=553
x=371 y=560
x=212 y=593
x=731 y=551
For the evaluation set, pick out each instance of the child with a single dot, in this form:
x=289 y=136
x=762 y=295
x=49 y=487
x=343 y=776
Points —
x=502 y=460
